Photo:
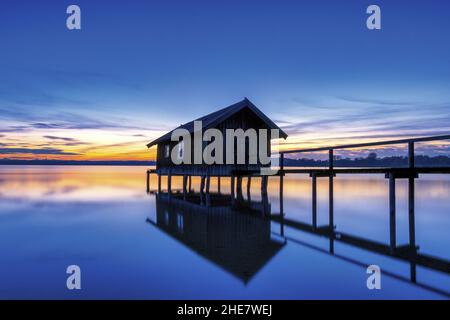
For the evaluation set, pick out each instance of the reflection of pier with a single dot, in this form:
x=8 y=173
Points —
x=237 y=237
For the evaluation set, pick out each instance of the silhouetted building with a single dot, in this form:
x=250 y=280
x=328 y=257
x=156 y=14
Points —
x=242 y=115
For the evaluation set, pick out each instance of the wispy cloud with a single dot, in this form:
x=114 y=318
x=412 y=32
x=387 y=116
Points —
x=43 y=151
x=376 y=101
x=59 y=138
x=65 y=141
x=26 y=121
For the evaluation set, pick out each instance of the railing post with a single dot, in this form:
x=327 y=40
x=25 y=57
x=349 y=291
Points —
x=314 y=200
x=411 y=164
x=331 y=159
x=281 y=160
x=330 y=193
x=411 y=197
x=281 y=183
x=392 y=229
x=411 y=213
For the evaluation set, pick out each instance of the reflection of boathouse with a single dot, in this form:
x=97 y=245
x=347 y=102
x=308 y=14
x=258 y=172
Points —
x=237 y=239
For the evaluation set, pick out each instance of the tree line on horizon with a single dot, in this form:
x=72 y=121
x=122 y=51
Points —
x=372 y=160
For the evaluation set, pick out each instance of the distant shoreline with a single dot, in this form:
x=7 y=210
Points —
x=370 y=161
x=75 y=163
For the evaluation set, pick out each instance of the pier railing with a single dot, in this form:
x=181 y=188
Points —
x=411 y=172
x=409 y=142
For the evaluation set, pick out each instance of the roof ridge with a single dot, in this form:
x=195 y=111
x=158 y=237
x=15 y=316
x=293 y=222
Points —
x=211 y=118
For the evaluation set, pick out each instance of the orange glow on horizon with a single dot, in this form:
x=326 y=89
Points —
x=122 y=146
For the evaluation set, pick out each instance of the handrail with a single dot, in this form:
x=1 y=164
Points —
x=331 y=149
x=370 y=144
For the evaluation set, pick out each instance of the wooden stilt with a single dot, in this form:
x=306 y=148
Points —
x=202 y=184
x=392 y=211
x=331 y=203
x=331 y=193
x=411 y=209
x=239 y=187
x=314 y=201
x=190 y=184
x=218 y=184
x=264 y=183
x=169 y=184
x=232 y=187
x=411 y=214
x=281 y=194
x=208 y=195
x=148 y=182
x=249 y=188
x=208 y=182
x=202 y=189
x=264 y=196
x=159 y=183
x=184 y=186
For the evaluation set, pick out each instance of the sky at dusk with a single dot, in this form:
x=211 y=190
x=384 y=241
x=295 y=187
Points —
x=137 y=69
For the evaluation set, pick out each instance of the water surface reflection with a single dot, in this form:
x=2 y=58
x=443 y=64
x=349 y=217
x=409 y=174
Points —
x=97 y=217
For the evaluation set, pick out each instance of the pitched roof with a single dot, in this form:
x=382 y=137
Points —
x=212 y=119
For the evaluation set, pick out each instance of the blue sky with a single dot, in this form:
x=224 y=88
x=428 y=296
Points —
x=139 y=68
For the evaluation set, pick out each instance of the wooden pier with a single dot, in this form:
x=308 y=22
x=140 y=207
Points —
x=411 y=172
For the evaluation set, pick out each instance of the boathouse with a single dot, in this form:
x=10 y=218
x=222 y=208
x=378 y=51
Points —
x=242 y=115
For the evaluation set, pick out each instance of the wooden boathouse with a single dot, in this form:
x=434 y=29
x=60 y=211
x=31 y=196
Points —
x=241 y=115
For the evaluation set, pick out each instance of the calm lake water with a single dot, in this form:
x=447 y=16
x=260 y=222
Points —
x=130 y=244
